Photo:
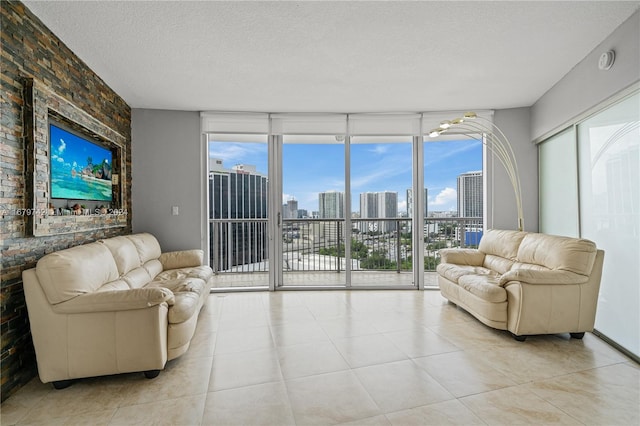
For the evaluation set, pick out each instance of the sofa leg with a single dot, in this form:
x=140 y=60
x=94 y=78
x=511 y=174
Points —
x=577 y=335
x=61 y=384
x=151 y=374
x=519 y=338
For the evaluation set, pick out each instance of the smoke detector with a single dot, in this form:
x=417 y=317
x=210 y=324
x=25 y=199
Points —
x=606 y=60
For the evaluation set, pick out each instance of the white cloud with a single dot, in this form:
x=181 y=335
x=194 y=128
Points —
x=380 y=149
x=446 y=198
x=451 y=150
x=60 y=160
x=236 y=152
x=402 y=206
x=62 y=146
x=286 y=197
x=380 y=173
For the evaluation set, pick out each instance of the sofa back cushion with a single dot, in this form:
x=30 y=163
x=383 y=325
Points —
x=497 y=263
x=68 y=273
x=501 y=243
x=153 y=267
x=147 y=246
x=137 y=278
x=124 y=252
x=558 y=253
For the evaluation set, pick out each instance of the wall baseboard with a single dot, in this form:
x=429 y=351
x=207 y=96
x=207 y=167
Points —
x=617 y=346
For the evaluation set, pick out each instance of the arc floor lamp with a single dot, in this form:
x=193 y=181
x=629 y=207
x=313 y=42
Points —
x=470 y=124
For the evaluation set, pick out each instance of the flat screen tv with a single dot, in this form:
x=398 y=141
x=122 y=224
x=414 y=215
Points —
x=80 y=167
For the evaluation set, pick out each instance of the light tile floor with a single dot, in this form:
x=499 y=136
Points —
x=359 y=358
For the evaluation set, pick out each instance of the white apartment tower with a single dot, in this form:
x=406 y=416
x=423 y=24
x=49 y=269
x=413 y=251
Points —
x=378 y=205
x=470 y=194
x=331 y=205
x=410 y=202
x=290 y=210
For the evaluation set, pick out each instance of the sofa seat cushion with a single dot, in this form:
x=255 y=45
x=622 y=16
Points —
x=194 y=285
x=187 y=304
x=486 y=287
x=187 y=292
x=453 y=272
x=202 y=272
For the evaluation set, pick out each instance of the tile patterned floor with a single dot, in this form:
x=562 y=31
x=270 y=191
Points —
x=351 y=358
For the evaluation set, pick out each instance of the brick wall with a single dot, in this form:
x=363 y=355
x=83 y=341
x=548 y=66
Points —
x=31 y=52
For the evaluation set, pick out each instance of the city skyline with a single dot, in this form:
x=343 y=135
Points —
x=311 y=169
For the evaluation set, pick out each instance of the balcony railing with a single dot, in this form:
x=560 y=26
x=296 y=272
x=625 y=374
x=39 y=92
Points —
x=313 y=245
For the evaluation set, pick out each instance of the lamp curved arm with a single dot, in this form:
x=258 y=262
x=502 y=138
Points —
x=509 y=163
x=496 y=141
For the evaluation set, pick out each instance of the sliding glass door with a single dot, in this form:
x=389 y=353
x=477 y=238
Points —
x=381 y=190
x=313 y=211
x=335 y=200
x=238 y=214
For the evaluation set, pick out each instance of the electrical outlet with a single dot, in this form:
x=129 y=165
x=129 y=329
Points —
x=175 y=211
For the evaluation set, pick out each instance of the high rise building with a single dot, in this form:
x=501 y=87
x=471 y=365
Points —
x=290 y=210
x=378 y=205
x=470 y=194
x=331 y=205
x=237 y=193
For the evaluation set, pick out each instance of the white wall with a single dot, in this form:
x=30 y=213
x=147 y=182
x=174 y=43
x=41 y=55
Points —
x=585 y=85
x=166 y=172
x=501 y=205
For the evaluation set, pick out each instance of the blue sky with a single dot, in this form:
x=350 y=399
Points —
x=312 y=168
x=69 y=151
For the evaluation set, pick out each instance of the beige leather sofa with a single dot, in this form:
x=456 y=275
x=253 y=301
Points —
x=114 y=306
x=527 y=283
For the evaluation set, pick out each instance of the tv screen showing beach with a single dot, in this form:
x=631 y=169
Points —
x=80 y=169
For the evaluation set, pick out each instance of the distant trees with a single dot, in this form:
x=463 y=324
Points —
x=379 y=259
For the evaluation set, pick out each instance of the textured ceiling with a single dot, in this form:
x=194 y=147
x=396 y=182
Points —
x=348 y=56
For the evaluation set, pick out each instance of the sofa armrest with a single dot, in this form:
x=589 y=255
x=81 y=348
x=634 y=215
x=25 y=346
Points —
x=181 y=259
x=116 y=300
x=461 y=256
x=551 y=277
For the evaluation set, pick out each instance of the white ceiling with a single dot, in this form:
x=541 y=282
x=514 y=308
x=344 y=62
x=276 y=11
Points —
x=348 y=56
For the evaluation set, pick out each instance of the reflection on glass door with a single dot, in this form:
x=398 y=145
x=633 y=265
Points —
x=609 y=188
x=453 y=216
x=313 y=211
x=238 y=199
x=381 y=192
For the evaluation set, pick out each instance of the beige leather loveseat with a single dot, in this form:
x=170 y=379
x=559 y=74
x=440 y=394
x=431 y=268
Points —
x=527 y=283
x=113 y=306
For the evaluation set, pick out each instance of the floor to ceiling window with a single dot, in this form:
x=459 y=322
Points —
x=238 y=214
x=313 y=211
x=453 y=180
x=381 y=184
x=343 y=200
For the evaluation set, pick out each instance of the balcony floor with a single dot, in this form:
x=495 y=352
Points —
x=391 y=279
